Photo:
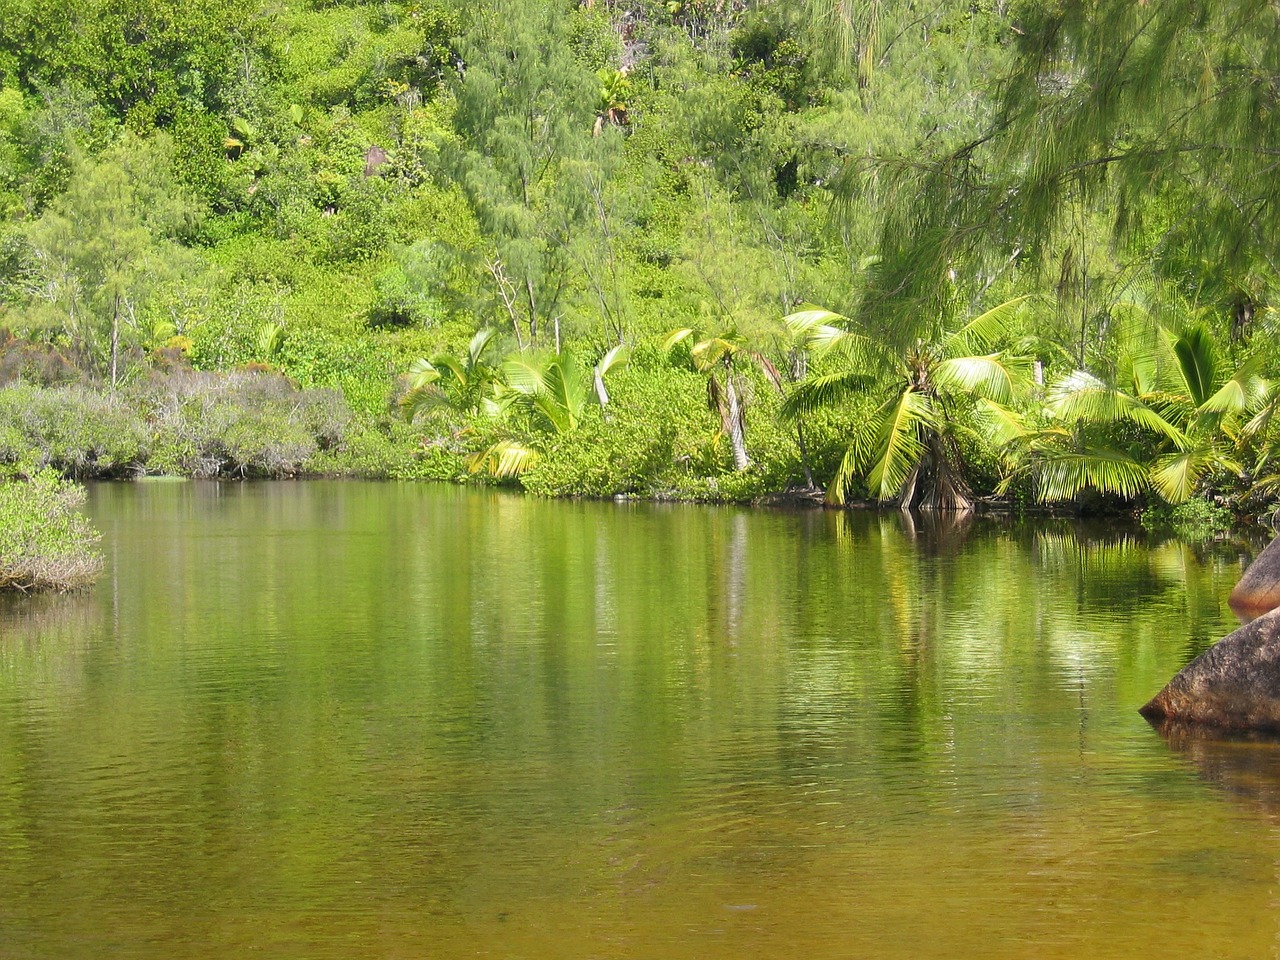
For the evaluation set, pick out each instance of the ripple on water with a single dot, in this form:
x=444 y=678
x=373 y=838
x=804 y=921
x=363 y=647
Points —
x=319 y=720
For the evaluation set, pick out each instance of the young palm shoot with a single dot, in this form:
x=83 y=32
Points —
x=454 y=383
x=555 y=390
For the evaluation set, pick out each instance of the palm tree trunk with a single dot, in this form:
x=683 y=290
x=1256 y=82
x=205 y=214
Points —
x=601 y=393
x=948 y=491
x=737 y=425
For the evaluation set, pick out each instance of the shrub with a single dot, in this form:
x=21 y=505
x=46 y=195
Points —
x=238 y=425
x=45 y=542
x=653 y=434
x=72 y=429
x=1194 y=519
x=187 y=423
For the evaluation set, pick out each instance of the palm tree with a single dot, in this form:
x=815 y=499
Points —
x=908 y=450
x=456 y=383
x=714 y=353
x=555 y=387
x=1170 y=384
x=555 y=390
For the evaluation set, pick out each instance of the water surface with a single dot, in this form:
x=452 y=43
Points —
x=372 y=720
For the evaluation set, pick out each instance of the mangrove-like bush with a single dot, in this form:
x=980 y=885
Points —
x=46 y=543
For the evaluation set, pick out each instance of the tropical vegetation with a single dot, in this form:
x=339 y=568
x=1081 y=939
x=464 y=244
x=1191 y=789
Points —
x=45 y=542
x=577 y=246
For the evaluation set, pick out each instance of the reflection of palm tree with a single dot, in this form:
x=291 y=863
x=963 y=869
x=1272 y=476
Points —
x=907 y=450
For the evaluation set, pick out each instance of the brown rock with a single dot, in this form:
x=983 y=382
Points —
x=1235 y=684
x=1259 y=589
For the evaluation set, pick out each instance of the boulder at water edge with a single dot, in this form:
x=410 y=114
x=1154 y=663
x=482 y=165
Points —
x=1259 y=588
x=1235 y=684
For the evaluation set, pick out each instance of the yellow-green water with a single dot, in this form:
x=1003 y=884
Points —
x=359 y=720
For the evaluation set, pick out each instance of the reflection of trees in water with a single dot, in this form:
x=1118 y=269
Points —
x=735 y=577
x=47 y=637
x=445 y=648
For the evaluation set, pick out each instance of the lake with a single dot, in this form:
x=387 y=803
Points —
x=358 y=720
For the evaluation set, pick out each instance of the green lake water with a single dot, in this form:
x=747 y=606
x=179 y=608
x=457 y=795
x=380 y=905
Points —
x=347 y=720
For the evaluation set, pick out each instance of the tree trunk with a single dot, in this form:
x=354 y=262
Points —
x=947 y=491
x=799 y=370
x=533 y=311
x=115 y=342
x=804 y=453
x=737 y=427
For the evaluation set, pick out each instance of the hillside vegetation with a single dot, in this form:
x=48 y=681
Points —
x=704 y=249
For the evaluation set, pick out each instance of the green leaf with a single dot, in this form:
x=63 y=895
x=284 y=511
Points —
x=898 y=446
x=1197 y=362
x=989 y=377
x=1175 y=477
x=1061 y=474
x=822 y=391
x=986 y=328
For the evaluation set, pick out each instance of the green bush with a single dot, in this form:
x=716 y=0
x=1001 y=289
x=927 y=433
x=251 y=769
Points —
x=74 y=430
x=388 y=450
x=188 y=423
x=45 y=542
x=654 y=435
x=1194 y=519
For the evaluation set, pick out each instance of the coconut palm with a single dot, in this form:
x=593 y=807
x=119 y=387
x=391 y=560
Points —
x=714 y=353
x=907 y=450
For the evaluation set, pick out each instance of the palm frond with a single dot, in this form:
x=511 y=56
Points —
x=899 y=449
x=999 y=424
x=478 y=344
x=420 y=399
x=459 y=370
x=986 y=328
x=504 y=459
x=676 y=336
x=525 y=375
x=422 y=372
x=1176 y=476
x=616 y=357
x=1244 y=392
x=1197 y=362
x=1260 y=422
x=799 y=324
x=1082 y=397
x=846 y=473
x=993 y=377
x=1061 y=474
x=827 y=390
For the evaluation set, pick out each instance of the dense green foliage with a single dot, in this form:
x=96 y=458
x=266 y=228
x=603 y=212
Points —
x=575 y=245
x=45 y=542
